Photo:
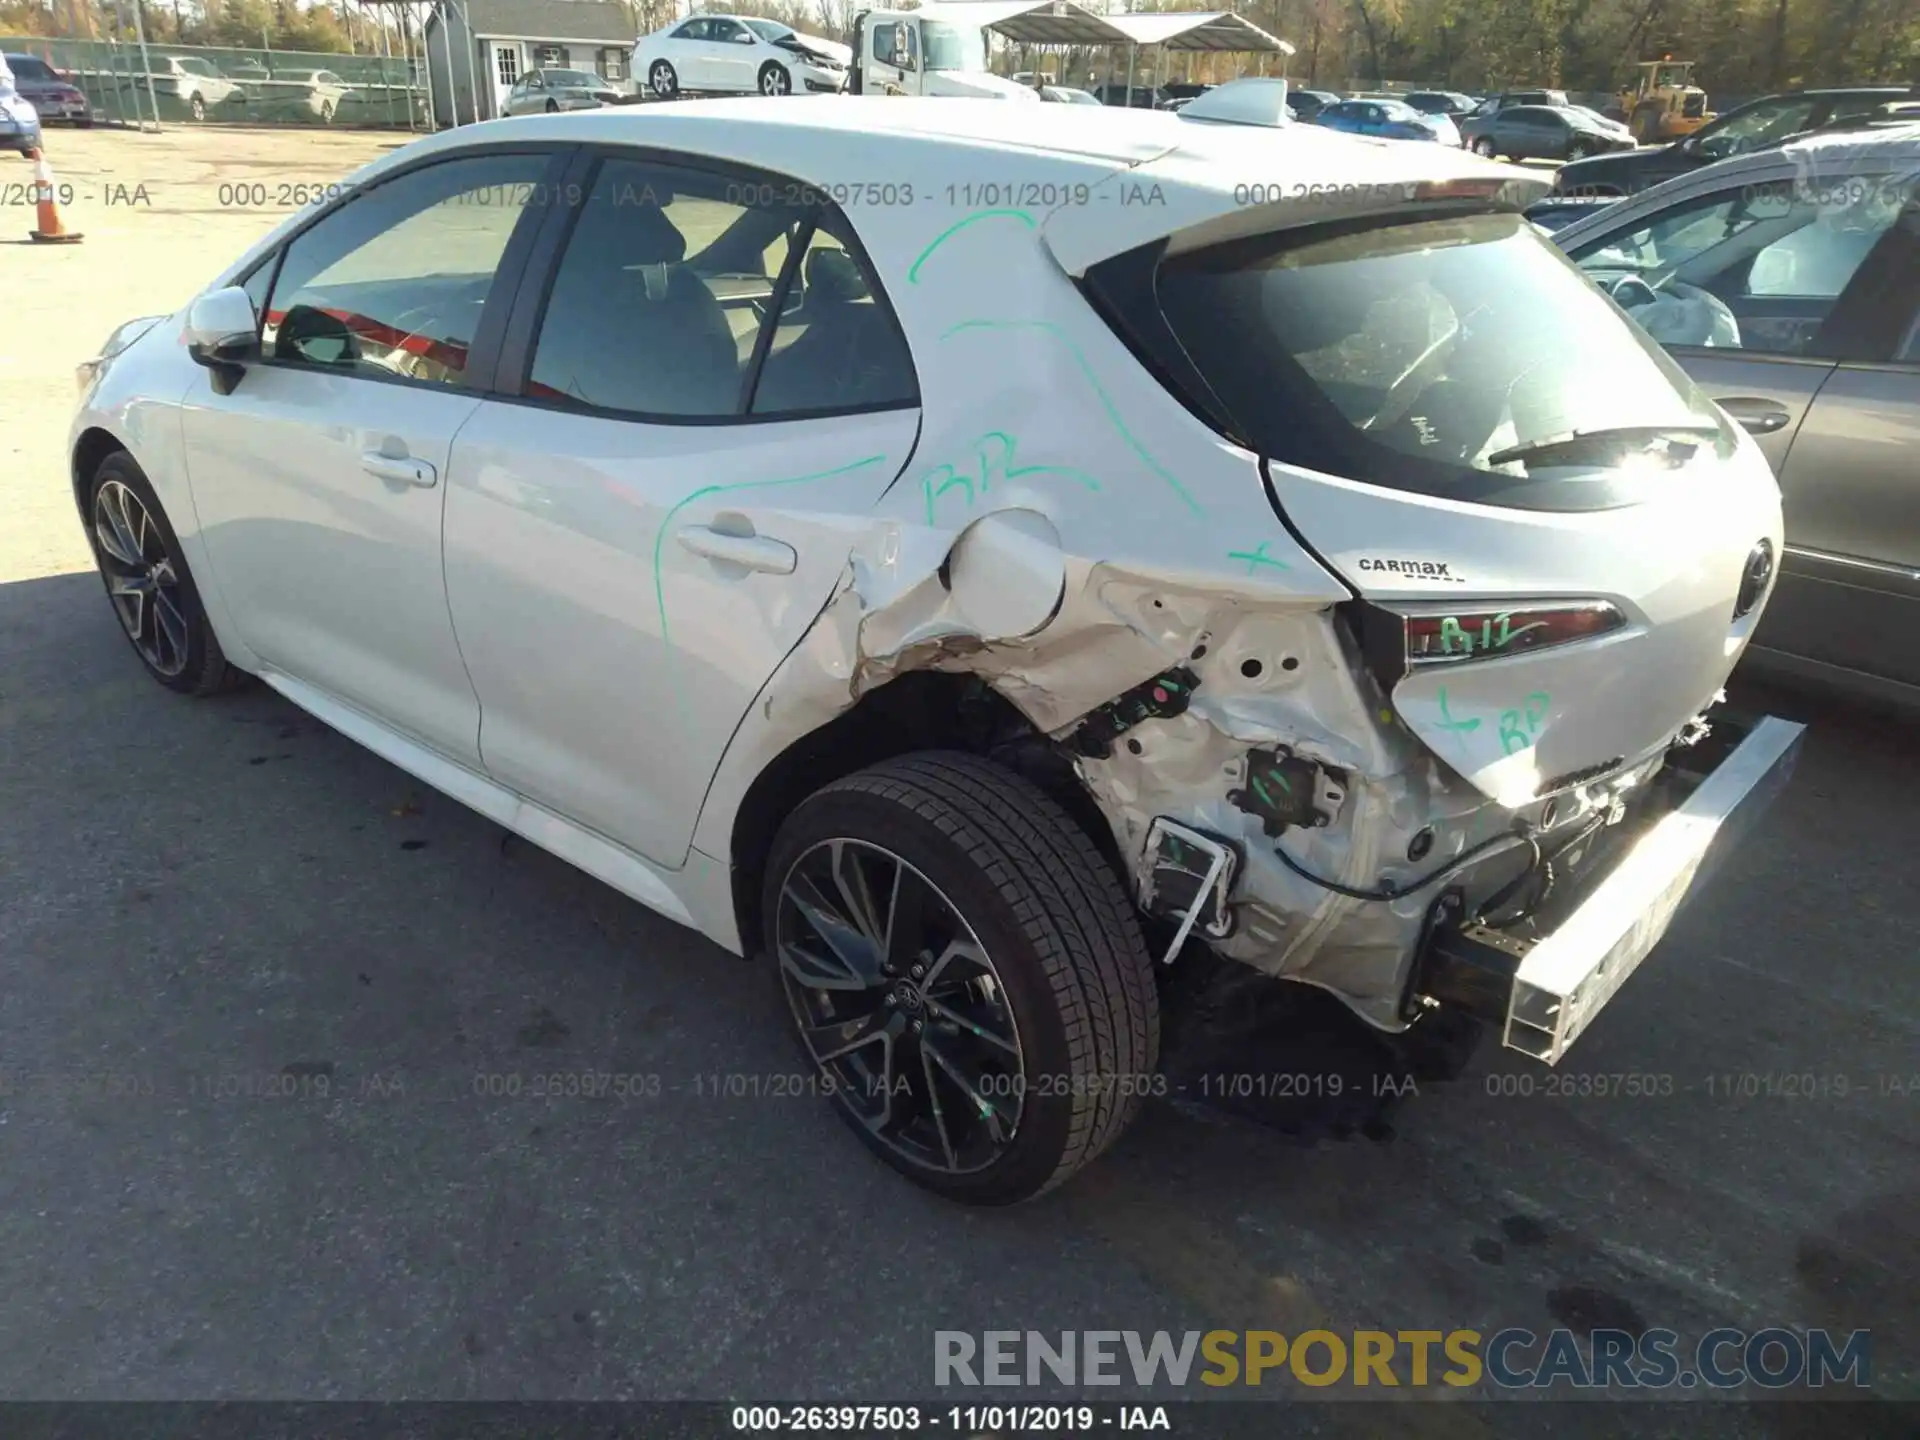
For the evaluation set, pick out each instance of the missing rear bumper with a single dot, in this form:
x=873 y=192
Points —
x=1545 y=982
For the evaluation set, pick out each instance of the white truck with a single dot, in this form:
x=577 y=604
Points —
x=935 y=50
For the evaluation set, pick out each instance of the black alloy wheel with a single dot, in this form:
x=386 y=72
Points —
x=964 y=971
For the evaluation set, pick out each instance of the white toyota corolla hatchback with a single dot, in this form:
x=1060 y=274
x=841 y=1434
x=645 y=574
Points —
x=981 y=562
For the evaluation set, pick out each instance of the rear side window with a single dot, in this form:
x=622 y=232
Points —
x=1451 y=355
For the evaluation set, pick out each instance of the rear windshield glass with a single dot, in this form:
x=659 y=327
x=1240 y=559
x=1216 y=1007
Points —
x=1461 y=356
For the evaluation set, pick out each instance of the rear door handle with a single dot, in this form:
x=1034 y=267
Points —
x=1760 y=416
x=401 y=469
x=755 y=552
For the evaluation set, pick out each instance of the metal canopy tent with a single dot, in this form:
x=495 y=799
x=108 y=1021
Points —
x=1219 y=30
x=1032 y=22
x=1216 y=31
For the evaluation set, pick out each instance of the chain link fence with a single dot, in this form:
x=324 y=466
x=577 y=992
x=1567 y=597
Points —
x=203 y=85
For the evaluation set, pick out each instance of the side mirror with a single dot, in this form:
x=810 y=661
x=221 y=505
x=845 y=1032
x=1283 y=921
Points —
x=223 y=334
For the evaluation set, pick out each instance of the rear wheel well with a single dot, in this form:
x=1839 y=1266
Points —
x=924 y=710
x=92 y=447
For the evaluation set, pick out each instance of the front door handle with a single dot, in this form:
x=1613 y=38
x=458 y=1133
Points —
x=754 y=552
x=1760 y=416
x=401 y=469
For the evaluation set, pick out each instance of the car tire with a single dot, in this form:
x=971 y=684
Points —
x=553 y=107
x=148 y=584
x=1483 y=146
x=1047 y=1041
x=662 y=80
x=196 y=107
x=326 y=112
x=774 y=79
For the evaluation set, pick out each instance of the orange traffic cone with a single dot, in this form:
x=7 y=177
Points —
x=48 y=229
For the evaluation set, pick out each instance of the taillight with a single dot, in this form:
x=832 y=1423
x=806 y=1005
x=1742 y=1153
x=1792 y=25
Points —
x=1450 y=636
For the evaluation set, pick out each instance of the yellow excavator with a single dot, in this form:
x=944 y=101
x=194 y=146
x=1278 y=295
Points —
x=1662 y=104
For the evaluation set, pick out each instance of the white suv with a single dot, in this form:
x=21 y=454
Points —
x=979 y=562
x=738 y=54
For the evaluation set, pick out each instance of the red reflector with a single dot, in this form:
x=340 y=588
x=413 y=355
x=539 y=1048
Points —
x=1443 y=638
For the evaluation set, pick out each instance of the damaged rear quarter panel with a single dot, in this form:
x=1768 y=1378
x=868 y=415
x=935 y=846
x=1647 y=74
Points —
x=1066 y=530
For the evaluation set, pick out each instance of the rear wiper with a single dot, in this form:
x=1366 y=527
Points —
x=1584 y=439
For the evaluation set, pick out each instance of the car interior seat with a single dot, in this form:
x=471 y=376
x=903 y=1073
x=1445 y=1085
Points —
x=846 y=353
x=637 y=330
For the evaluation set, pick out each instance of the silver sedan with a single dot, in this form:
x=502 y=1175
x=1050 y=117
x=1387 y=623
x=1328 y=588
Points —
x=551 y=90
x=1787 y=283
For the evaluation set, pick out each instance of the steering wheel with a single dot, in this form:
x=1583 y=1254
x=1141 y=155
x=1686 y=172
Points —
x=410 y=362
x=1630 y=291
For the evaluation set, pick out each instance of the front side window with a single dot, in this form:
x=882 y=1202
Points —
x=1758 y=268
x=728 y=31
x=948 y=47
x=1451 y=355
x=391 y=284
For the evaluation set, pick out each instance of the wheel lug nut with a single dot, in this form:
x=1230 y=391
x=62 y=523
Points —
x=892 y=1000
x=918 y=971
x=918 y=1026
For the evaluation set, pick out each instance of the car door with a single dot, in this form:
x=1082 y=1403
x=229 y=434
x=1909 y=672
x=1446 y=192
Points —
x=1850 y=585
x=686 y=50
x=319 y=481
x=654 y=513
x=733 y=54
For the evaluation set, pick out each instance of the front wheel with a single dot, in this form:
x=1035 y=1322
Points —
x=197 y=108
x=148 y=583
x=965 y=973
x=1483 y=146
x=662 y=80
x=774 y=79
x=553 y=107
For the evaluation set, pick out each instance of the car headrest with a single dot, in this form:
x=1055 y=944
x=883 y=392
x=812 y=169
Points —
x=648 y=237
x=832 y=276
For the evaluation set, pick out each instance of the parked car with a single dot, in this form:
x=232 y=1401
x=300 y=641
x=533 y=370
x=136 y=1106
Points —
x=196 y=85
x=1755 y=125
x=1387 y=120
x=1268 y=590
x=52 y=96
x=317 y=93
x=1179 y=92
x=1068 y=95
x=738 y=54
x=544 y=91
x=1440 y=102
x=1787 y=282
x=1140 y=97
x=19 y=123
x=1507 y=99
x=1605 y=122
x=1306 y=105
x=1540 y=132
